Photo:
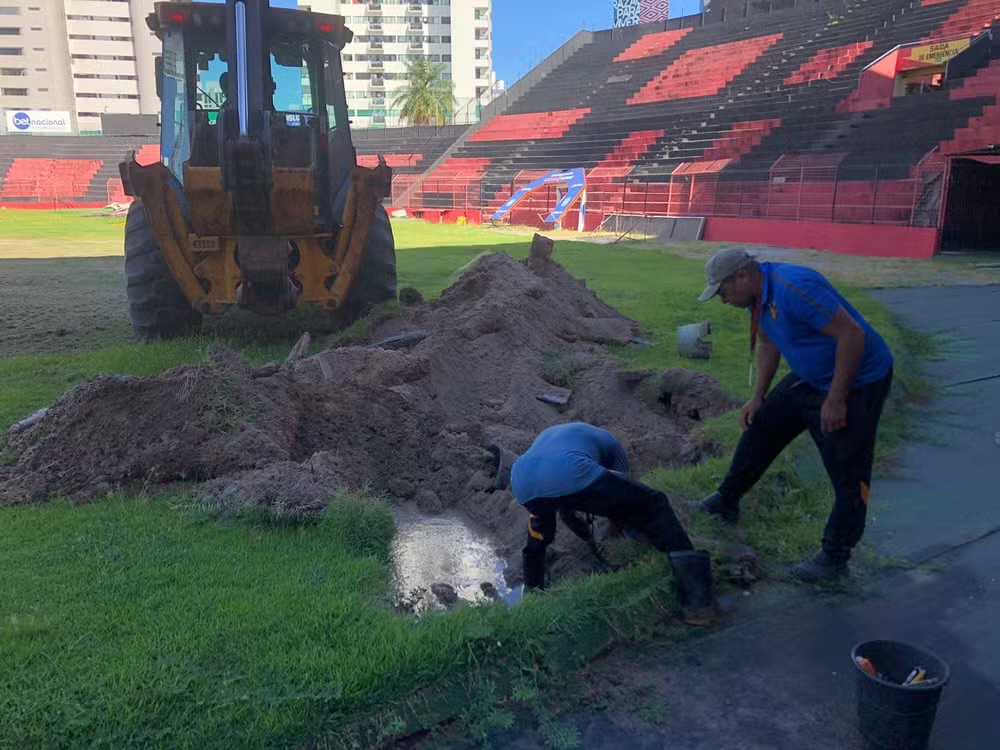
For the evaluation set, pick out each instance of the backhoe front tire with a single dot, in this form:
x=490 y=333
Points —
x=376 y=282
x=157 y=308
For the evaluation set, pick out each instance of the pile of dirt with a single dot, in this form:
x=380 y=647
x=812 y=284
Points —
x=412 y=424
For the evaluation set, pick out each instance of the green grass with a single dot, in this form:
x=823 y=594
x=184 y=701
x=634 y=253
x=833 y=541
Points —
x=137 y=622
x=131 y=623
x=61 y=226
x=147 y=619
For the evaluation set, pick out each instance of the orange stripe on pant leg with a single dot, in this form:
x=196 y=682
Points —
x=864 y=492
x=531 y=529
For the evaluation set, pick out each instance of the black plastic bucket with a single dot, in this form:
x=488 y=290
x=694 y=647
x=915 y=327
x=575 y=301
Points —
x=892 y=716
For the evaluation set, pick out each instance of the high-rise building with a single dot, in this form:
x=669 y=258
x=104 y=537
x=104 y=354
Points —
x=457 y=33
x=633 y=12
x=85 y=57
x=94 y=57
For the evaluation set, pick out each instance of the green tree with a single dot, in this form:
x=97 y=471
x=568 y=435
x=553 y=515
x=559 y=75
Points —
x=428 y=98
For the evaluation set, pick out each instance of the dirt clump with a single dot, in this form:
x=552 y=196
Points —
x=194 y=422
x=409 y=296
x=445 y=593
x=282 y=489
x=410 y=423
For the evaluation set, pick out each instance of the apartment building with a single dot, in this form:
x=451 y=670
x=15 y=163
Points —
x=81 y=57
x=457 y=33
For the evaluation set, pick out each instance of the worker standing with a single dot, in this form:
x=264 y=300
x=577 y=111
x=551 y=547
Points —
x=841 y=375
x=579 y=468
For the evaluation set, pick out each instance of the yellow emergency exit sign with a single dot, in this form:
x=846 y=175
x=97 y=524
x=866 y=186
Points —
x=935 y=54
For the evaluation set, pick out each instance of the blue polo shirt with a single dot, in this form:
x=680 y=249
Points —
x=564 y=459
x=797 y=303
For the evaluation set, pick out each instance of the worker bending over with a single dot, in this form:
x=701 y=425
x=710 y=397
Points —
x=578 y=468
x=841 y=371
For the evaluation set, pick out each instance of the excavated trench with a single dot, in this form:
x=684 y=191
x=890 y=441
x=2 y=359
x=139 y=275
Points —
x=439 y=560
x=407 y=416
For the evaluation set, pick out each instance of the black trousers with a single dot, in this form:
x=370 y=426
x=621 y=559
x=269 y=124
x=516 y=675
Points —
x=613 y=496
x=792 y=407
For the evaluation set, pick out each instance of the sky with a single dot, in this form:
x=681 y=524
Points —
x=526 y=31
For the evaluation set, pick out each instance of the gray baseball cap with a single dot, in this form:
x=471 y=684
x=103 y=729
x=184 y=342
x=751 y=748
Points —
x=721 y=266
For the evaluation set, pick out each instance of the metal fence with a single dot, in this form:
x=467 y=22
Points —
x=879 y=194
x=44 y=190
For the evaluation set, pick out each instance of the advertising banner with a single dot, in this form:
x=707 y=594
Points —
x=29 y=122
x=632 y=12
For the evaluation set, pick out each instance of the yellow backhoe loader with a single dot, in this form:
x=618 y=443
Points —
x=257 y=201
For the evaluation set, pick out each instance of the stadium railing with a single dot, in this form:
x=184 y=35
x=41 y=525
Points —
x=873 y=194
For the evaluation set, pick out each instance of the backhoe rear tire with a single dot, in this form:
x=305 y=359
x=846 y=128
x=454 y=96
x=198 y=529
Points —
x=377 y=281
x=157 y=308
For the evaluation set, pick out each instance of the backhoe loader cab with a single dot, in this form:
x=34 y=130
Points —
x=257 y=201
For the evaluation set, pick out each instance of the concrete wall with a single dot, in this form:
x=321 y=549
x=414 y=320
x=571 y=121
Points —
x=852 y=239
x=88 y=57
x=42 y=63
x=101 y=31
x=147 y=48
x=135 y=125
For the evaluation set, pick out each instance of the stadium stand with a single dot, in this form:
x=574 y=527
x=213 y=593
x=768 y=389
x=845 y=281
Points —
x=409 y=151
x=64 y=170
x=48 y=171
x=406 y=150
x=148 y=154
x=820 y=122
x=39 y=178
x=782 y=115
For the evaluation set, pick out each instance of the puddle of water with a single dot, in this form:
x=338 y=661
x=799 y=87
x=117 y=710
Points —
x=430 y=550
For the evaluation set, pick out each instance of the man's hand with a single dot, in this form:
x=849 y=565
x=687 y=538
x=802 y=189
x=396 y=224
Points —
x=833 y=415
x=749 y=411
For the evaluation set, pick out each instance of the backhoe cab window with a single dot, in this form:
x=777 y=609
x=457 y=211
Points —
x=306 y=81
x=213 y=72
x=290 y=76
x=333 y=87
x=290 y=80
x=174 y=139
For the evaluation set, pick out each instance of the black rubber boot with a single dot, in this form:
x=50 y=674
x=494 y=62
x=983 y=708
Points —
x=534 y=576
x=713 y=505
x=823 y=568
x=693 y=571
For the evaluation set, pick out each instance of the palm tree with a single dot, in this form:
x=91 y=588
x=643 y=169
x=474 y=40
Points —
x=428 y=98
